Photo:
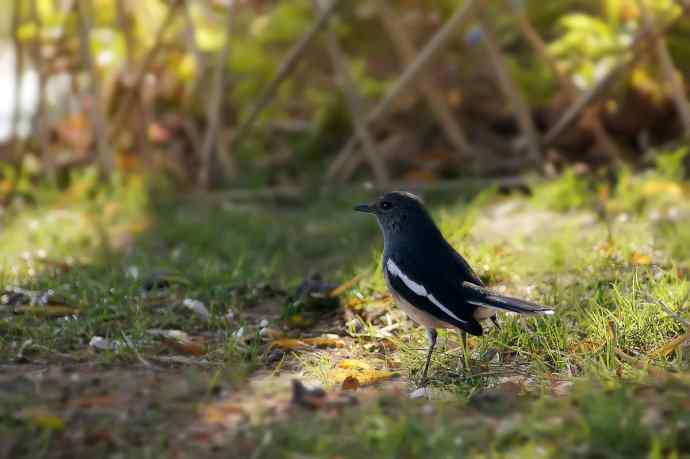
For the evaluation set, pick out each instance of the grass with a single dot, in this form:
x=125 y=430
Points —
x=607 y=376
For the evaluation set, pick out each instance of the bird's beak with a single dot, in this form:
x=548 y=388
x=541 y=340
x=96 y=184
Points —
x=364 y=208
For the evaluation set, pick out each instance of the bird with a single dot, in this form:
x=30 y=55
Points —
x=431 y=282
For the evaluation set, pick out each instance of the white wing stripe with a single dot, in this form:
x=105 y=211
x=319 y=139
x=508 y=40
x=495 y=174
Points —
x=419 y=289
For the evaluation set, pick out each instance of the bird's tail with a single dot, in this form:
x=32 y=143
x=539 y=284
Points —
x=487 y=298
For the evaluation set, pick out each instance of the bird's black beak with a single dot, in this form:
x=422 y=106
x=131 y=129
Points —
x=364 y=208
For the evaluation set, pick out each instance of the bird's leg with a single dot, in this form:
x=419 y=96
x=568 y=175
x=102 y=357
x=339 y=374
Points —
x=431 y=334
x=494 y=319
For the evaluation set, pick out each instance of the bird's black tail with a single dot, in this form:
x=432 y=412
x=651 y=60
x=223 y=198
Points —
x=485 y=297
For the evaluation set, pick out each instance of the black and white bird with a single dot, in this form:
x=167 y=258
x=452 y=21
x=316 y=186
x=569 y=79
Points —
x=428 y=279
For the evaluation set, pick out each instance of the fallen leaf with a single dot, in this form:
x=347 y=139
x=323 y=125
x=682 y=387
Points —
x=347 y=285
x=350 y=383
x=47 y=310
x=41 y=417
x=103 y=344
x=195 y=346
x=325 y=342
x=640 y=259
x=97 y=401
x=292 y=343
x=223 y=413
x=365 y=377
x=353 y=364
x=671 y=346
x=662 y=187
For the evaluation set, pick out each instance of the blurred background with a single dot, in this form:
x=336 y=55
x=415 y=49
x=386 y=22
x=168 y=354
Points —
x=260 y=93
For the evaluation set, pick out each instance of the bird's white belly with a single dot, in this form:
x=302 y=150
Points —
x=419 y=316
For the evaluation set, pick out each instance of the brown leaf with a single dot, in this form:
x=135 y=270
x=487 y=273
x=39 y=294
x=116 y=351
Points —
x=671 y=346
x=195 y=346
x=342 y=288
x=292 y=344
x=223 y=413
x=350 y=383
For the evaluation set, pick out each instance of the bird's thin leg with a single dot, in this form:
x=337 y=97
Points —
x=494 y=319
x=431 y=334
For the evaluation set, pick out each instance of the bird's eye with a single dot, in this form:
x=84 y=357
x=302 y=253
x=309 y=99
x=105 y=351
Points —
x=385 y=205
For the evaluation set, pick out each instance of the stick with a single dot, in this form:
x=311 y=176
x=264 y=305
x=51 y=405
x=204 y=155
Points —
x=285 y=69
x=435 y=99
x=105 y=160
x=521 y=111
x=213 y=113
x=458 y=20
x=354 y=105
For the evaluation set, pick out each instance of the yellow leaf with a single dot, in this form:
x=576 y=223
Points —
x=288 y=343
x=41 y=417
x=352 y=364
x=657 y=187
x=640 y=259
x=325 y=342
x=671 y=346
x=364 y=377
x=291 y=343
x=222 y=413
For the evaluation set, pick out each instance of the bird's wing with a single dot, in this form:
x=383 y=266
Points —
x=481 y=296
x=464 y=270
x=438 y=295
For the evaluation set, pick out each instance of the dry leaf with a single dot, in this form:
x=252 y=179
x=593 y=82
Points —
x=195 y=346
x=292 y=343
x=671 y=346
x=41 y=417
x=352 y=364
x=346 y=285
x=47 y=310
x=223 y=413
x=350 y=383
x=364 y=377
x=325 y=342
x=640 y=259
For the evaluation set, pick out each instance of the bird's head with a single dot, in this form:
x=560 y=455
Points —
x=398 y=212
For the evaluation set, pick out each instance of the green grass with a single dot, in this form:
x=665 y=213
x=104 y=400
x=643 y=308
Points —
x=609 y=258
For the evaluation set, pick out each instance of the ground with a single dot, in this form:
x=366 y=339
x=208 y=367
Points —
x=138 y=324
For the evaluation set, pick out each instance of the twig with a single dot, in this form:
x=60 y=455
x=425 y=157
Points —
x=130 y=96
x=460 y=17
x=669 y=70
x=354 y=105
x=213 y=112
x=510 y=89
x=105 y=160
x=284 y=70
x=435 y=99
